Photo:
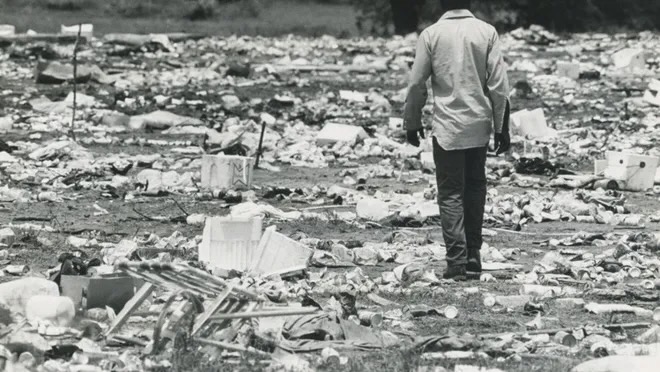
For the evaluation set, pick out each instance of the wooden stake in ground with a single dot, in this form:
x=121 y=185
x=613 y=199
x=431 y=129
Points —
x=261 y=142
x=72 y=132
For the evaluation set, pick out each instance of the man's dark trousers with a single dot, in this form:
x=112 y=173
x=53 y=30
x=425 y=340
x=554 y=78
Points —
x=461 y=176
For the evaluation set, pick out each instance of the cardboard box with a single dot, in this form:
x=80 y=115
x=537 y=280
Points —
x=113 y=290
x=227 y=172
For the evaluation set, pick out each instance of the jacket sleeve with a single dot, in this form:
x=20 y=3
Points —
x=417 y=92
x=497 y=83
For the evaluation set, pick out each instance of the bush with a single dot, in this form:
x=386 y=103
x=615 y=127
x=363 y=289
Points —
x=136 y=8
x=375 y=16
x=247 y=8
x=66 y=4
x=202 y=9
x=251 y=8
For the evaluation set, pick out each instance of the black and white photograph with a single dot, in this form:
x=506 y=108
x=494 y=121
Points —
x=329 y=185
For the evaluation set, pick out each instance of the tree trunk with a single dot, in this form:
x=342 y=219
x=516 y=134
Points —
x=405 y=16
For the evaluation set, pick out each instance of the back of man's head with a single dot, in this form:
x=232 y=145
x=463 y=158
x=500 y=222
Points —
x=455 y=4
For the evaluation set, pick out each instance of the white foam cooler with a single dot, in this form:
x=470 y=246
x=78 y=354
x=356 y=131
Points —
x=227 y=172
x=637 y=171
x=230 y=243
x=7 y=30
x=86 y=30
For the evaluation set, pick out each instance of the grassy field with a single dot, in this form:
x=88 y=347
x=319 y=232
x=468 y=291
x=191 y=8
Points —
x=152 y=16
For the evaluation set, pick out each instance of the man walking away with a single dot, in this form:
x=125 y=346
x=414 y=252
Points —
x=462 y=56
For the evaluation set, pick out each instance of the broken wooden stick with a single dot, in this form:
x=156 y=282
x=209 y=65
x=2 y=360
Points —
x=159 y=218
x=267 y=314
x=132 y=305
x=403 y=166
x=128 y=340
x=261 y=143
x=72 y=131
x=180 y=207
x=326 y=67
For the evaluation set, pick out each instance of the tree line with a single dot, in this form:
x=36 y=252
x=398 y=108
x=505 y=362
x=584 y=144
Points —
x=406 y=16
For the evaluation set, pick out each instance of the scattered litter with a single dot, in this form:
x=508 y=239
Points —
x=169 y=145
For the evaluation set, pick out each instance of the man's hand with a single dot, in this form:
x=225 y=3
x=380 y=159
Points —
x=502 y=142
x=412 y=136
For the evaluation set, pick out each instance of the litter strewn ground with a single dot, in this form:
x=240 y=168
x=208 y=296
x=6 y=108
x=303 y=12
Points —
x=331 y=247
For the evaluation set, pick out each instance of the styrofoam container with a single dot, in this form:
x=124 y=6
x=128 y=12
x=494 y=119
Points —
x=630 y=58
x=428 y=162
x=7 y=30
x=58 y=310
x=227 y=172
x=599 y=166
x=638 y=171
x=333 y=133
x=86 y=30
x=532 y=124
x=279 y=254
x=230 y=243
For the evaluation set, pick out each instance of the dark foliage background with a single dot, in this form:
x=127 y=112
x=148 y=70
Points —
x=337 y=17
x=557 y=15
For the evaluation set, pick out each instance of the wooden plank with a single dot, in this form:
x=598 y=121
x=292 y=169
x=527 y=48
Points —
x=132 y=305
x=233 y=307
x=203 y=319
x=326 y=67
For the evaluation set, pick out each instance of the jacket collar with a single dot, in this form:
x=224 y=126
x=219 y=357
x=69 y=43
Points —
x=456 y=14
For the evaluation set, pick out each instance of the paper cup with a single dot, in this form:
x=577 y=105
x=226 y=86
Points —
x=450 y=312
x=371 y=319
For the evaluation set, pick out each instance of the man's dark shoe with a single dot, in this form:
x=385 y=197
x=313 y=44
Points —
x=473 y=267
x=455 y=272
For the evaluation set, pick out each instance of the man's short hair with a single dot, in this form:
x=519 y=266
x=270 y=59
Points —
x=455 y=4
